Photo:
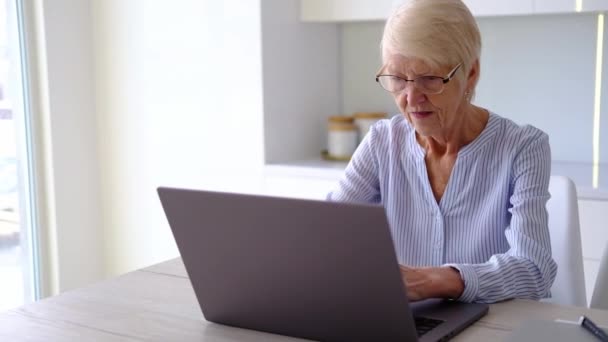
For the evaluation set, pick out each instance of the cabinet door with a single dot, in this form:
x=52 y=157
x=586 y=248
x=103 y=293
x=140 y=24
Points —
x=593 y=217
x=359 y=10
x=595 y=5
x=483 y=8
x=345 y=10
x=554 y=6
x=594 y=227
x=591 y=269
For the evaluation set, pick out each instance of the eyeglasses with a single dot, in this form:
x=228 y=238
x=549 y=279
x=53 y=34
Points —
x=427 y=84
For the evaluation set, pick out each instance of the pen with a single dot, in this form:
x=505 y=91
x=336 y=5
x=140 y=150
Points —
x=594 y=329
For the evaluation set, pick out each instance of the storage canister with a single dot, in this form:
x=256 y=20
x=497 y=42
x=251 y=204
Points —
x=341 y=137
x=365 y=120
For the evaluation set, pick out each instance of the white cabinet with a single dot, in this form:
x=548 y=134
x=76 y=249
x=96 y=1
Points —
x=555 y=6
x=594 y=227
x=297 y=187
x=594 y=236
x=484 y=8
x=362 y=10
x=594 y=5
x=591 y=269
x=345 y=10
x=310 y=180
x=569 y=6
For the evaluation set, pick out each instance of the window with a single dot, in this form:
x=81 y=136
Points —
x=17 y=257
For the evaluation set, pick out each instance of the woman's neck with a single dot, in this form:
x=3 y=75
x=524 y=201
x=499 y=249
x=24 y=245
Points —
x=461 y=134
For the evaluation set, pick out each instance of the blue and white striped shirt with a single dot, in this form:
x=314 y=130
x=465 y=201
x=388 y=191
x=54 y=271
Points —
x=490 y=224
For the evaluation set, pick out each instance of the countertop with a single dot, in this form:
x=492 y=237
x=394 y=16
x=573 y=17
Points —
x=580 y=173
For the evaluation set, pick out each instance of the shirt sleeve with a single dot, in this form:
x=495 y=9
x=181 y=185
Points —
x=360 y=183
x=527 y=269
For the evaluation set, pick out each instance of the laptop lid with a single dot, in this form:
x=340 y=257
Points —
x=310 y=269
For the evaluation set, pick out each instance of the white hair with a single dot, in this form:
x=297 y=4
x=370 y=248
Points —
x=439 y=32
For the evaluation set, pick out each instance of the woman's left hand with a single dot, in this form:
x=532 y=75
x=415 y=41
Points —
x=431 y=282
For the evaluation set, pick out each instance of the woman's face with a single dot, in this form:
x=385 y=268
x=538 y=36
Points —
x=429 y=114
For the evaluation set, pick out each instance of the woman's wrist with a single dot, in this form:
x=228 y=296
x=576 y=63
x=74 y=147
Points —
x=432 y=282
x=447 y=283
x=455 y=284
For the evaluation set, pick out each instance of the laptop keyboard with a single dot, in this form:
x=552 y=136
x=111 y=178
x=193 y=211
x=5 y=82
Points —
x=424 y=325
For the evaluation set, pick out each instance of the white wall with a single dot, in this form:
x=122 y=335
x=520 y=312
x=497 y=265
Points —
x=179 y=89
x=360 y=45
x=541 y=70
x=151 y=93
x=301 y=81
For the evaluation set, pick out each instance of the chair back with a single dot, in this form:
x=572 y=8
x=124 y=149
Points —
x=564 y=227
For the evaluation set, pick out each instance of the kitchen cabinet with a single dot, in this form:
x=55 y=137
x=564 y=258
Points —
x=594 y=236
x=362 y=10
x=367 y=10
x=345 y=10
x=297 y=187
x=594 y=228
x=594 y=5
x=591 y=269
x=307 y=180
x=555 y=6
x=569 y=6
x=489 y=8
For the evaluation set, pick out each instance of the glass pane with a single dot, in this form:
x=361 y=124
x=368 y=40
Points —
x=16 y=261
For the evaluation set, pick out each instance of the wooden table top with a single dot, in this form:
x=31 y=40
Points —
x=157 y=303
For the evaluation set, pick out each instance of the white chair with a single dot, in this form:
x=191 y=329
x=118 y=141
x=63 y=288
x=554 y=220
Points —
x=599 y=300
x=569 y=285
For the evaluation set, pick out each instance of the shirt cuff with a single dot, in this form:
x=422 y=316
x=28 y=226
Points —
x=470 y=279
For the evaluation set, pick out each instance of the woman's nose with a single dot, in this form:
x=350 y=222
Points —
x=413 y=95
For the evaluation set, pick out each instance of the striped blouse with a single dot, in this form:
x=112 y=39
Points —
x=490 y=224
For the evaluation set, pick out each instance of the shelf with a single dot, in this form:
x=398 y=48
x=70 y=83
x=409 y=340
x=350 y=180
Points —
x=580 y=173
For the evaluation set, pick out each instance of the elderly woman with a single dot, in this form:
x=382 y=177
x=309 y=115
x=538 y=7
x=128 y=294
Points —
x=464 y=189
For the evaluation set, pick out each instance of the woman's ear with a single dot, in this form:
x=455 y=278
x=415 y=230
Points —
x=473 y=76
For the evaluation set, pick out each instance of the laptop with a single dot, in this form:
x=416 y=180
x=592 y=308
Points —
x=310 y=269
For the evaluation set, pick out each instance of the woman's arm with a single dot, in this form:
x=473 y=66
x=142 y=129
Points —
x=527 y=269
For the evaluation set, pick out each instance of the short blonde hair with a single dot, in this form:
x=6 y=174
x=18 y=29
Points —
x=439 y=32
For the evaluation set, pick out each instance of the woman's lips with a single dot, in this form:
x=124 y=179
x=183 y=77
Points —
x=421 y=114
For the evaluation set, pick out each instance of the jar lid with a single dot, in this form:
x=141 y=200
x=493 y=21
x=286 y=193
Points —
x=370 y=115
x=337 y=126
x=340 y=119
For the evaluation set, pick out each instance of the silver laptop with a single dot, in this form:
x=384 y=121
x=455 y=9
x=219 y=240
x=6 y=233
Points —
x=309 y=269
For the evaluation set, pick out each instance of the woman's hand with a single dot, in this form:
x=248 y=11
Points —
x=431 y=282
